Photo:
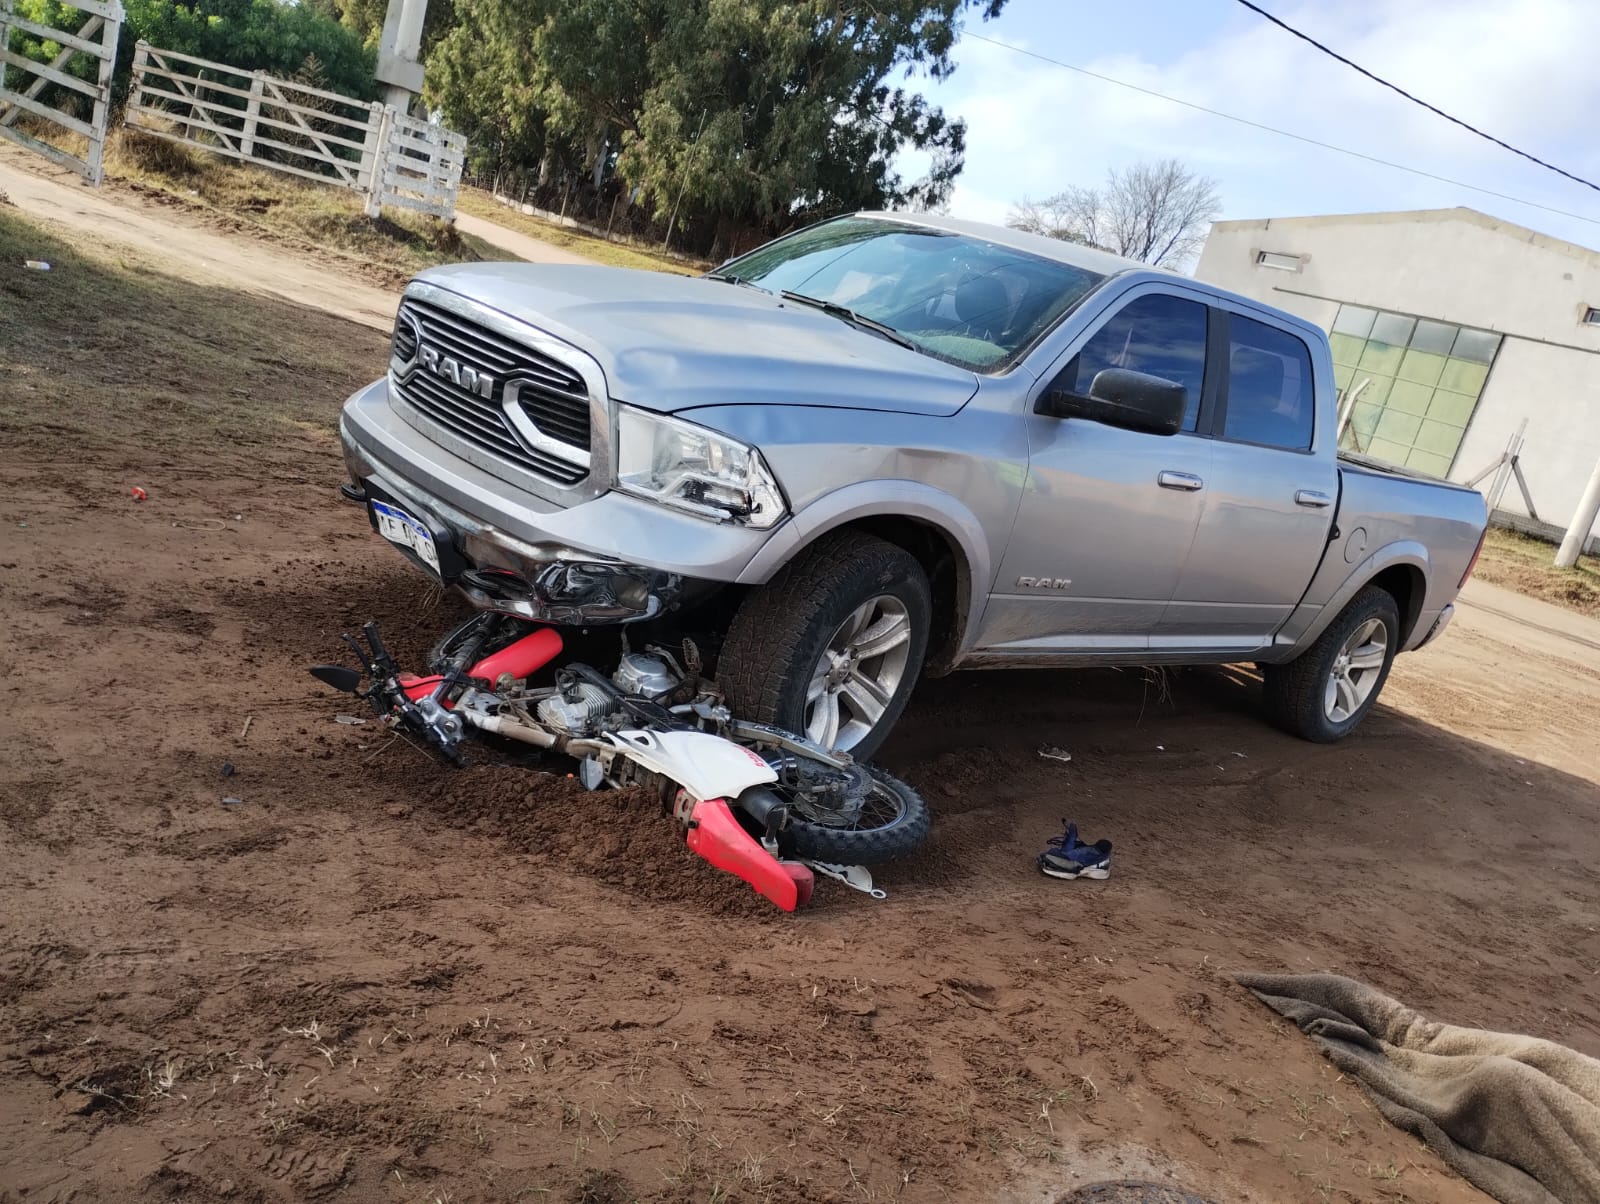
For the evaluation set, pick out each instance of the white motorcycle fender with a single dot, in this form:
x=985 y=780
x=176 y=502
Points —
x=706 y=766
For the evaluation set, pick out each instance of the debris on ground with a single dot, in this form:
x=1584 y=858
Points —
x=349 y=720
x=139 y=495
x=232 y=801
x=227 y=769
x=36 y=265
x=1051 y=753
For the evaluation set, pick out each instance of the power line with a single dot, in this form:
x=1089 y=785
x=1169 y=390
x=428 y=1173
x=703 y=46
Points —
x=1377 y=79
x=1343 y=150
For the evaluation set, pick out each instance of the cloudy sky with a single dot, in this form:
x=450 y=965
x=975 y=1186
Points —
x=1523 y=70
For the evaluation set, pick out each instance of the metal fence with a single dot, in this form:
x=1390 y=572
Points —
x=368 y=147
x=421 y=167
x=96 y=39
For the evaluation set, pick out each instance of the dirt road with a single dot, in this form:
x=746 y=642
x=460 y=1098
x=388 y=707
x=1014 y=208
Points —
x=369 y=978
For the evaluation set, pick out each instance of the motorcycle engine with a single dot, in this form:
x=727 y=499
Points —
x=575 y=715
x=644 y=674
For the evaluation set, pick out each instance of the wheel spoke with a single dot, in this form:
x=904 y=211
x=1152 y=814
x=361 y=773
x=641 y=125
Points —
x=1368 y=656
x=824 y=722
x=819 y=682
x=1349 y=696
x=890 y=631
x=866 y=697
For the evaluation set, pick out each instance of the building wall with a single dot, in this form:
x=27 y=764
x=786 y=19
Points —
x=1462 y=267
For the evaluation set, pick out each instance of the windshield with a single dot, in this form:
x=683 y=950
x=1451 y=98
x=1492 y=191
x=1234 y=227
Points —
x=952 y=296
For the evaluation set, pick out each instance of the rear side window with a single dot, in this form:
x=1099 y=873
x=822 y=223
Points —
x=1269 y=386
x=1156 y=334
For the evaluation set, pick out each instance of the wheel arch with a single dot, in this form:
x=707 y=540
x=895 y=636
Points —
x=936 y=528
x=1401 y=568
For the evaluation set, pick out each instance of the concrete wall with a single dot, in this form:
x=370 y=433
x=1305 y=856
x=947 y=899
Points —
x=1458 y=266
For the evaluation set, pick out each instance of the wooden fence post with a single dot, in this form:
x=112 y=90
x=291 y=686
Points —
x=252 y=115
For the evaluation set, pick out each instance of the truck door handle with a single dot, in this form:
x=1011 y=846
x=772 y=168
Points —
x=1314 y=498
x=1186 y=481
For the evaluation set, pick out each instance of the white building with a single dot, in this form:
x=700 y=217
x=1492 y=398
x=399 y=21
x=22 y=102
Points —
x=1449 y=329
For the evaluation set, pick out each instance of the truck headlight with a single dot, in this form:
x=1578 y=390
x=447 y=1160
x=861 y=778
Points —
x=680 y=464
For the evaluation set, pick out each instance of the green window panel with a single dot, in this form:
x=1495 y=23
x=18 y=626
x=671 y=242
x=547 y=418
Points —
x=1454 y=408
x=1342 y=374
x=1346 y=348
x=1374 y=389
x=1409 y=397
x=1438 y=437
x=1422 y=367
x=1463 y=376
x=1385 y=449
x=1382 y=358
x=1364 y=419
x=1396 y=426
x=1429 y=462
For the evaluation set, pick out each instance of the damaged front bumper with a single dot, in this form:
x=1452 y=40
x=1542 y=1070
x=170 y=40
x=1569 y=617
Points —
x=607 y=558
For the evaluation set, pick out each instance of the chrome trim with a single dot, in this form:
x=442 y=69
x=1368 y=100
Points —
x=511 y=400
x=1314 y=498
x=1185 y=481
x=601 y=453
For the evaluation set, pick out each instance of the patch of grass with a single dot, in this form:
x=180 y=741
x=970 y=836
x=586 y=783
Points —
x=1527 y=565
x=613 y=254
x=328 y=217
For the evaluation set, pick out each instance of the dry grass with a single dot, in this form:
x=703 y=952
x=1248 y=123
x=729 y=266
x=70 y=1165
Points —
x=284 y=206
x=618 y=255
x=1526 y=565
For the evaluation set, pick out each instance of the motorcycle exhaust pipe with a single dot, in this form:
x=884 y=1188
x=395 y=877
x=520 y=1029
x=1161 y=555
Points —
x=499 y=725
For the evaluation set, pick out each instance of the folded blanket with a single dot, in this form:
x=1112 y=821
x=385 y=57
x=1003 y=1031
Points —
x=1516 y=1116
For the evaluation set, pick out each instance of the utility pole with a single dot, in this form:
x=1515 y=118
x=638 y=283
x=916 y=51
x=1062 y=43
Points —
x=1582 y=522
x=399 y=49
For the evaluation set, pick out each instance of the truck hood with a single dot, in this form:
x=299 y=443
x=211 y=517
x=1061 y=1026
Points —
x=670 y=342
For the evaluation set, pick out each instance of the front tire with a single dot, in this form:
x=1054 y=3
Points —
x=832 y=646
x=1325 y=692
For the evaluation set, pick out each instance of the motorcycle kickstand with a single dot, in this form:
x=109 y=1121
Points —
x=856 y=877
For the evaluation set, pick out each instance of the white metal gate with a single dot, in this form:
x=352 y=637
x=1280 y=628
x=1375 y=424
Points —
x=274 y=123
x=96 y=38
x=422 y=165
x=254 y=117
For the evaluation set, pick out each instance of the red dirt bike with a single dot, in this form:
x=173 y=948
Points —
x=766 y=805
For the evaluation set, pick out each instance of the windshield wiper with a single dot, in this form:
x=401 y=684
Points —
x=729 y=278
x=850 y=315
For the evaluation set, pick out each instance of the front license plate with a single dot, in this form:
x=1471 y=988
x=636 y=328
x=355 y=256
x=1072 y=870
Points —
x=395 y=525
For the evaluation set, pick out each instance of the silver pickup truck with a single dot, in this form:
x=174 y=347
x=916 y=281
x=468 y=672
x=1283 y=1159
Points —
x=889 y=445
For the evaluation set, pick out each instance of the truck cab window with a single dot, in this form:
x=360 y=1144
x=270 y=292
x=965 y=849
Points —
x=1269 y=387
x=1157 y=334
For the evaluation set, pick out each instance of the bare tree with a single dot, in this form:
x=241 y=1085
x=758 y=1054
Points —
x=1158 y=212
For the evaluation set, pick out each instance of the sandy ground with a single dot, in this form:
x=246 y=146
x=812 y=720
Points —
x=372 y=978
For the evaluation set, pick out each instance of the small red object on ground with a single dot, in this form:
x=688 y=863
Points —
x=138 y=494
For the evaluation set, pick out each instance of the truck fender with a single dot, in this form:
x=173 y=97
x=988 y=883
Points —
x=885 y=499
x=1309 y=621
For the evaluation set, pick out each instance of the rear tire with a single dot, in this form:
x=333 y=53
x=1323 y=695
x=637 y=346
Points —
x=791 y=652
x=1325 y=692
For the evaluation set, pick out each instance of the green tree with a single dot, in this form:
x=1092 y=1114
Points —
x=277 y=36
x=753 y=115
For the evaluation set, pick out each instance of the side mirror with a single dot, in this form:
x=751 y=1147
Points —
x=1134 y=401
